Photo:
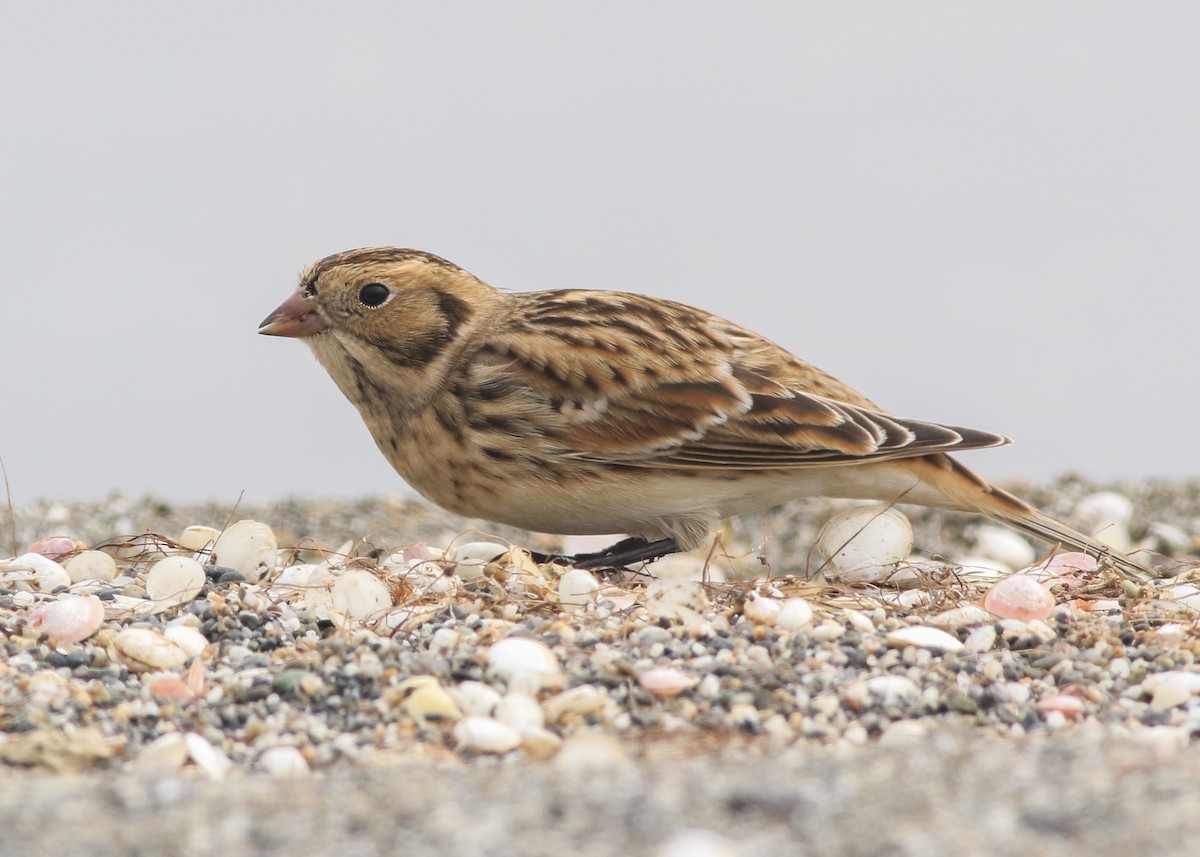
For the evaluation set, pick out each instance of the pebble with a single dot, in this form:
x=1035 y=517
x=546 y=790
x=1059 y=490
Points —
x=864 y=544
x=269 y=671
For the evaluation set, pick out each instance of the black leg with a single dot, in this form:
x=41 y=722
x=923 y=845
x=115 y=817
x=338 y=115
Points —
x=626 y=552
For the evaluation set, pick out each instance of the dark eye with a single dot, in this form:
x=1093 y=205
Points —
x=374 y=294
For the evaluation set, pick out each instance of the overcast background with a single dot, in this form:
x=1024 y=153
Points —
x=976 y=213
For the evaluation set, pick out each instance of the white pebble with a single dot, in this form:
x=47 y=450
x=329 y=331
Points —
x=471 y=558
x=283 y=762
x=70 y=619
x=861 y=621
x=695 y=842
x=795 y=614
x=1004 y=546
x=360 y=595
x=520 y=711
x=175 y=580
x=1171 y=688
x=143 y=650
x=893 y=690
x=828 y=631
x=760 y=610
x=577 y=588
x=163 y=756
x=485 y=735
x=91 y=565
x=925 y=637
x=666 y=682
x=525 y=664
x=864 y=544
x=475 y=698
x=248 y=547
x=679 y=592
x=1105 y=515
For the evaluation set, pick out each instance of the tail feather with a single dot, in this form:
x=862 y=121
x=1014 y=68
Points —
x=962 y=489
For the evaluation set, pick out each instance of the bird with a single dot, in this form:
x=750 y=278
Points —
x=585 y=411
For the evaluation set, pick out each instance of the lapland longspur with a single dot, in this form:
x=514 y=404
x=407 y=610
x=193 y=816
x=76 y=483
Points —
x=579 y=411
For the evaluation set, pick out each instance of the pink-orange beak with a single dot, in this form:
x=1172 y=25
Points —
x=297 y=316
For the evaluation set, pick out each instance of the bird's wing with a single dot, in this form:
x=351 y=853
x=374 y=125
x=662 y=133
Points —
x=623 y=379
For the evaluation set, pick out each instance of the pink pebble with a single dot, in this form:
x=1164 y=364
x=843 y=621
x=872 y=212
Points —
x=53 y=547
x=1064 y=703
x=1019 y=596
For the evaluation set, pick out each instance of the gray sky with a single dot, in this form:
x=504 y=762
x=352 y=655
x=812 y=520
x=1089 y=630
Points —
x=984 y=214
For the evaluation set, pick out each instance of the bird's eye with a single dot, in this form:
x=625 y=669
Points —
x=374 y=294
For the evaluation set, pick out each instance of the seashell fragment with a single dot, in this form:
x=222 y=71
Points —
x=47 y=573
x=485 y=735
x=864 y=544
x=583 y=699
x=143 y=650
x=666 y=682
x=1106 y=515
x=91 y=565
x=1019 y=596
x=427 y=701
x=175 y=580
x=360 y=595
x=248 y=547
x=1004 y=546
x=54 y=547
x=925 y=637
x=283 y=762
x=521 y=711
x=211 y=760
x=197 y=538
x=190 y=639
x=525 y=664
x=760 y=610
x=476 y=698
x=70 y=619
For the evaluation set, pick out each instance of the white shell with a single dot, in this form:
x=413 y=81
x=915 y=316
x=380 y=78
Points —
x=248 y=547
x=361 y=595
x=1019 y=596
x=796 y=614
x=1105 y=515
x=198 y=538
x=470 y=558
x=520 y=711
x=187 y=638
x=760 y=609
x=525 y=664
x=48 y=573
x=175 y=580
x=1171 y=688
x=863 y=544
x=485 y=735
x=91 y=565
x=583 y=699
x=577 y=588
x=475 y=698
x=893 y=689
x=165 y=755
x=1003 y=545
x=283 y=762
x=666 y=682
x=924 y=637
x=70 y=619
x=211 y=760
x=981 y=639
x=428 y=700
x=961 y=617
x=143 y=650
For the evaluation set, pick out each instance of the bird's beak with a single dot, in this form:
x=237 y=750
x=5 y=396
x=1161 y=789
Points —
x=297 y=316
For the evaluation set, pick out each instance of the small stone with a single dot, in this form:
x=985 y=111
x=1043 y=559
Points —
x=864 y=544
x=584 y=699
x=283 y=762
x=197 y=538
x=143 y=650
x=666 y=682
x=577 y=588
x=525 y=664
x=982 y=639
x=760 y=610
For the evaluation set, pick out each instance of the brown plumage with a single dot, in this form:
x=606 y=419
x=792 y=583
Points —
x=599 y=412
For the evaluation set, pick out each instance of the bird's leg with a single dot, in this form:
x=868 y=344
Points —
x=626 y=552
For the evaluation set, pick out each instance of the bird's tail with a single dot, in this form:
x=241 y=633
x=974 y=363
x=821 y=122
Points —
x=963 y=489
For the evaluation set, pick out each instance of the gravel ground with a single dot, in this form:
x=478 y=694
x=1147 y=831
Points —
x=673 y=718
